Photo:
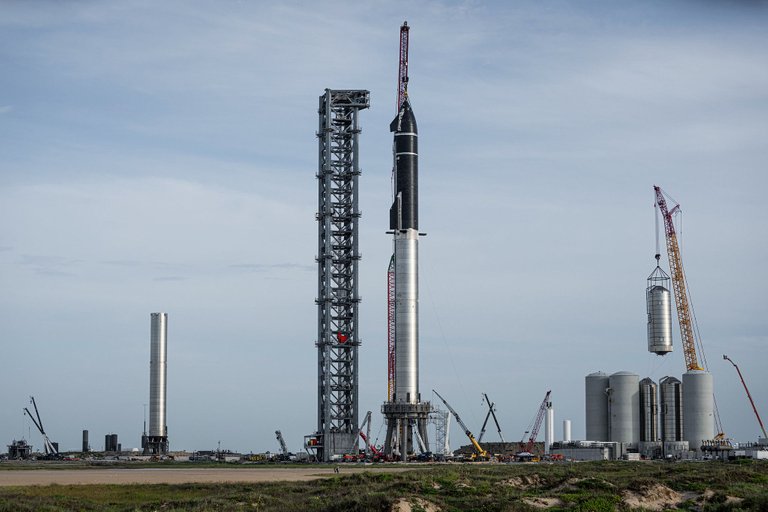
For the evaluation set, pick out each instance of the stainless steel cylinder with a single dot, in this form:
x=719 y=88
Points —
x=624 y=407
x=596 y=398
x=698 y=408
x=407 y=316
x=566 y=431
x=671 y=409
x=659 y=306
x=549 y=428
x=648 y=411
x=158 y=374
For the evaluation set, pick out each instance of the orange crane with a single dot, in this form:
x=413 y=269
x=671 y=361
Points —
x=762 y=427
x=678 y=282
x=682 y=299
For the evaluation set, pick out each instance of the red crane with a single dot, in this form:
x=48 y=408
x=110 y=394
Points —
x=402 y=75
x=762 y=427
x=536 y=424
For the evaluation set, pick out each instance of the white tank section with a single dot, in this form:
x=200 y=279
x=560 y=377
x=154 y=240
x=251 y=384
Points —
x=648 y=411
x=596 y=399
x=698 y=408
x=407 y=316
x=549 y=428
x=566 y=431
x=659 y=307
x=624 y=407
x=671 y=409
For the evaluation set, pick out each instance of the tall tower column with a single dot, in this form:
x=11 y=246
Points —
x=337 y=261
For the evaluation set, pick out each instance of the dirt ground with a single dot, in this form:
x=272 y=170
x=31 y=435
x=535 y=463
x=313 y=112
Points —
x=172 y=475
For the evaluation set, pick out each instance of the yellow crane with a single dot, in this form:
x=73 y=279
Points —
x=682 y=299
x=678 y=282
x=481 y=452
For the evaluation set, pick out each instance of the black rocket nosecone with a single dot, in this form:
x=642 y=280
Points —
x=404 y=213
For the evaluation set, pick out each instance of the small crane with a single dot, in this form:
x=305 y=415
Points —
x=481 y=453
x=757 y=415
x=49 y=447
x=491 y=412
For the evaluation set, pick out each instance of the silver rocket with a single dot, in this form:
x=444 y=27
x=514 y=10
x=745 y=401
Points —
x=404 y=221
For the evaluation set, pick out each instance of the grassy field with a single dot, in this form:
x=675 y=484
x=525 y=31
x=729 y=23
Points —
x=710 y=486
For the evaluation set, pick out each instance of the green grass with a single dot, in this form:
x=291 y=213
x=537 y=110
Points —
x=593 y=487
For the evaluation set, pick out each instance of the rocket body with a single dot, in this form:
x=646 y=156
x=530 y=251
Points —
x=404 y=219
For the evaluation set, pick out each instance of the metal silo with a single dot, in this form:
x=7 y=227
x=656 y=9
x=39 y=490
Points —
x=698 y=408
x=659 y=307
x=624 y=407
x=648 y=411
x=596 y=399
x=671 y=409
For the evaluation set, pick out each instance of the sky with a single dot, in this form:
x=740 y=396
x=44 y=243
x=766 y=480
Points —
x=161 y=156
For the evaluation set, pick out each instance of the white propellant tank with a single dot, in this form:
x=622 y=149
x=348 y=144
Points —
x=624 y=407
x=671 y=409
x=549 y=428
x=566 y=431
x=648 y=411
x=698 y=408
x=596 y=399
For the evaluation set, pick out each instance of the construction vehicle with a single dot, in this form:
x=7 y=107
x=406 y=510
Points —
x=480 y=452
x=526 y=454
x=50 y=448
x=491 y=412
x=688 y=331
x=749 y=395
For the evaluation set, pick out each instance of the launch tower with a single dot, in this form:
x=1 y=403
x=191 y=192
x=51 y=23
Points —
x=337 y=261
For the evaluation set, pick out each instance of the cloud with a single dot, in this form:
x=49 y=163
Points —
x=169 y=278
x=260 y=267
x=4 y=109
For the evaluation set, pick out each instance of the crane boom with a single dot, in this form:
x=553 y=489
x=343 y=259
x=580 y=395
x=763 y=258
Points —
x=402 y=74
x=749 y=395
x=283 y=447
x=678 y=282
x=537 y=422
x=491 y=412
x=49 y=447
x=480 y=451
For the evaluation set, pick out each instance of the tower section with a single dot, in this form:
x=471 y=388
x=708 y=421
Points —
x=156 y=441
x=337 y=270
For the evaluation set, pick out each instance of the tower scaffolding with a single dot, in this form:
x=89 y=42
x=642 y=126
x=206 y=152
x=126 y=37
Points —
x=337 y=263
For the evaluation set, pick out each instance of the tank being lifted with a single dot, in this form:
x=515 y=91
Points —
x=659 y=307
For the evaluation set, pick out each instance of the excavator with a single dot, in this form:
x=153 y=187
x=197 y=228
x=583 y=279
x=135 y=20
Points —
x=480 y=452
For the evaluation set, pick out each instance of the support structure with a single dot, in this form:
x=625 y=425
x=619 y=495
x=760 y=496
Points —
x=337 y=261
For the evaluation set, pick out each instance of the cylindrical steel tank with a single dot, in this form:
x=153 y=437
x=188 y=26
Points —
x=698 y=408
x=596 y=399
x=407 y=316
x=157 y=374
x=549 y=428
x=566 y=431
x=624 y=407
x=648 y=411
x=86 y=447
x=671 y=409
x=659 y=308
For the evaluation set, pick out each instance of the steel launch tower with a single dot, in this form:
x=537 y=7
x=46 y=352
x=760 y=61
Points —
x=404 y=410
x=156 y=442
x=337 y=262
